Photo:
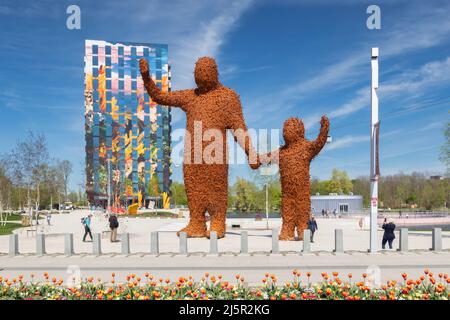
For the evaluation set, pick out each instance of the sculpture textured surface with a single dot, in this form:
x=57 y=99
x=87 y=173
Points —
x=210 y=109
x=294 y=159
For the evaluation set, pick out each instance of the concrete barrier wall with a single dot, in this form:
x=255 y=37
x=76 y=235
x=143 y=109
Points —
x=435 y=243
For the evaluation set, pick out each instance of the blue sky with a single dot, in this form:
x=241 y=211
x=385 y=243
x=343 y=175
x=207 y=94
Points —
x=284 y=58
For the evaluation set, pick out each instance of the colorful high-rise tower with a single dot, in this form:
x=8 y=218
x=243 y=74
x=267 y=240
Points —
x=127 y=134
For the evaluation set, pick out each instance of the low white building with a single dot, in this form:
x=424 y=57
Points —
x=342 y=203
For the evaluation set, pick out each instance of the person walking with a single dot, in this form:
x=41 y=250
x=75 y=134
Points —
x=312 y=226
x=113 y=225
x=389 y=234
x=86 y=221
x=49 y=217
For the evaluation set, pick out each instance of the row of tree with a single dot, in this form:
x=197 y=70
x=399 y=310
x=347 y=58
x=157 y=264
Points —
x=29 y=178
x=415 y=190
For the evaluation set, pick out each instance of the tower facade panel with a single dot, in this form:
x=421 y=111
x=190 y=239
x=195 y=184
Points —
x=127 y=134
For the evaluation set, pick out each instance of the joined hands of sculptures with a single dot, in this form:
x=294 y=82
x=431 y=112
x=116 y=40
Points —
x=213 y=106
x=208 y=106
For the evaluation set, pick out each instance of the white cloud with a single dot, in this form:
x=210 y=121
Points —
x=407 y=84
x=431 y=126
x=346 y=141
x=349 y=140
x=422 y=27
x=191 y=28
x=434 y=73
x=205 y=41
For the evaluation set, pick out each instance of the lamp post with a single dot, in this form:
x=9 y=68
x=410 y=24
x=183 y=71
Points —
x=374 y=166
x=267 y=204
x=109 y=186
x=266 y=171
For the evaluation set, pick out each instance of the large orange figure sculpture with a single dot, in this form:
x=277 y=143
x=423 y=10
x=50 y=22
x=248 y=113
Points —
x=294 y=160
x=210 y=109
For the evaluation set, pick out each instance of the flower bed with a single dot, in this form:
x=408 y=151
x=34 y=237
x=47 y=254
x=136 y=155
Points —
x=426 y=287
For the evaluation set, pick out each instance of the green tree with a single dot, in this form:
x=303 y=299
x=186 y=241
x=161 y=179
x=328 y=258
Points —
x=445 y=149
x=340 y=182
x=153 y=187
x=65 y=167
x=178 y=194
x=245 y=195
x=333 y=186
x=361 y=186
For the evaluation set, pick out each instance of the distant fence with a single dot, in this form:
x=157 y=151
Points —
x=350 y=214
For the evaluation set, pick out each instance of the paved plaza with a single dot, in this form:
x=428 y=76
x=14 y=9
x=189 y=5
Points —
x=259 y=238
x=169 y=263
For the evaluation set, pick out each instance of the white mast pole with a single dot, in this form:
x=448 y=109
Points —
x=373 y=155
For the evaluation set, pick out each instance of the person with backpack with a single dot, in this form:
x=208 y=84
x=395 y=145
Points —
x=86 y=221
x=113 y=225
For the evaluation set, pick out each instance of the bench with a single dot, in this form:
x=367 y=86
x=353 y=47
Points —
x=31 y=230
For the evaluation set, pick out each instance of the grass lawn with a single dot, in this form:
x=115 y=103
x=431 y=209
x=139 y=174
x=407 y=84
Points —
x=8 y=228
x=18 y=217
x=150 y=215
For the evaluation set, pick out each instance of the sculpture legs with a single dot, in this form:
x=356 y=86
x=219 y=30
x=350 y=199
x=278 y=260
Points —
x=302 y=218
x=288 y=211
x=295 y=215
x=218 y=213
x=196 y=227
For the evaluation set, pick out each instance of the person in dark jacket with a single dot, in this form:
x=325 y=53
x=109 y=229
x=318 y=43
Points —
x=389 y=234
x=312 y=226
x=113 y=225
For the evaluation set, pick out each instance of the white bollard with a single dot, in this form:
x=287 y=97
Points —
x=244 y=242
x=97 y=244
x=213 y=245
x=306 y=241
x=13 y=244
x=154 y=242
x=437 y=239
x=68 y=244
x=338 y=241
x=403 y=245
x=275 y=241
x=183 y=243
x=40 y=244
x=125 y=239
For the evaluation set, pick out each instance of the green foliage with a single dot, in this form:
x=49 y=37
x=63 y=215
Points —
x=245 y=194
x=178 y=194
x=9 y=228
x=248 y=196
x=153 y=187
x=445 y=149
x=28 y=176
x=210 y=287
x=404 y=191
x=339 y=183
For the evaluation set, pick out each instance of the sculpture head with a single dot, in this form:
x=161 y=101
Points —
x=293 y=130
x=206 y=74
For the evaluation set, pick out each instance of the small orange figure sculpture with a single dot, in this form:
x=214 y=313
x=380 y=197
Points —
x=210 y=109
x=294 y=160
